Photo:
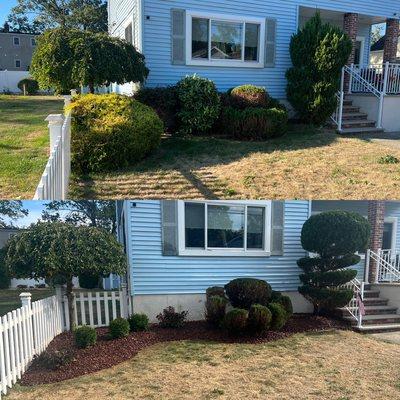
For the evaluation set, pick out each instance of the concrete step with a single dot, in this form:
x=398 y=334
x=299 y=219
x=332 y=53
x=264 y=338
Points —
x=374 y=310
x=351 y=109
x=375 y=301
x=357 y=130
x=371 y=293
x=347 y=102
x=354 y=116
x=378 y=328
x=358 y=123
x=380 y=319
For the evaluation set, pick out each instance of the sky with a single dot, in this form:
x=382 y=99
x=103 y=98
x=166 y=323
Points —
x=5 y=7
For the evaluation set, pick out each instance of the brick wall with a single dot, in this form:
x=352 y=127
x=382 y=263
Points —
x=391 y=40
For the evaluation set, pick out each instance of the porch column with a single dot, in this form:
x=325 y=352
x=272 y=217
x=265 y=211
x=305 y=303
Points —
x=391 y=40
x=350 y=27
x=376 y=217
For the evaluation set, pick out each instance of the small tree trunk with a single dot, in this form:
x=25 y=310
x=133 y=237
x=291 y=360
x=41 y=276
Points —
x=91 y=88
x=70 y=297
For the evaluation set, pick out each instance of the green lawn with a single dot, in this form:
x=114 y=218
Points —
x=24 y=142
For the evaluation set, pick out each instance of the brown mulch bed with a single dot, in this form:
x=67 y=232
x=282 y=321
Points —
x=107 y=353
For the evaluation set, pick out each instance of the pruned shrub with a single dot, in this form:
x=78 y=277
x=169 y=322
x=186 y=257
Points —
x=30 y=84
x=215 y=291
x=259 y=319
x=85 y=336
x=235 y=321
x=198 y=105
x=215 y=310
x=138 y=322
x=244 y=292
x=119 y=327
x=249 y=96
x=169 y=318
x=89 y=281
x=286 y=303
x=54 y=359
x=279 y=316
x=112 y=131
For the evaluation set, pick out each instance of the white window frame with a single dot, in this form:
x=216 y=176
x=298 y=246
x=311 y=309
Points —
x=226 y=252
x=393 y=221
x=19 y=41
x=225 y=18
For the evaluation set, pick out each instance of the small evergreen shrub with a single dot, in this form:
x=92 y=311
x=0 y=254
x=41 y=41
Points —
x=54 y=359
x=89 y=281
x=198 y=105
x=244 y=292
x=5 y=279
x=279 y=316
x=119 y=327
x=215 y=291
x=215 y=310
x=169 y=318
x=31 y=85
x=111 y=131
x=85 y=336
x=249 y=96
x=286 y=303
x=259 y=319
x=138 y=322
x=235 y=321
x=388 y=159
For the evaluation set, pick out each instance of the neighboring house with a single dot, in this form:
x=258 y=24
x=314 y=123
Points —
x=16 y=50
x=376 y=56
x=177 y=249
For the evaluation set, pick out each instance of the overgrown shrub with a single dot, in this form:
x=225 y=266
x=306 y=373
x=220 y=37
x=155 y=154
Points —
x=138 y=322
x=198 y=105
x=164 y=101
x=85 y=336
x=284 y=301
x=169 y=318
x=112 y=131
x=215 y=310
x=215 y=291
x=249 y=96
x=5 y=279
x=119 y=327
x=235 y=321
x=244 y=292
x=89 y=281
x=259 y=319
x=279 y=316
x=31 y=85
x=54 y=359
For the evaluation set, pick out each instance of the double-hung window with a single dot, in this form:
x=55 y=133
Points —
x=223 y=40
x=224 y=228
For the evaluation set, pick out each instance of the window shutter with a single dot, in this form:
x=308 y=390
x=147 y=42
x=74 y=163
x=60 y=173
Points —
x=270 y=42
x=278 y=221
x=178 y=30
x=169 y=218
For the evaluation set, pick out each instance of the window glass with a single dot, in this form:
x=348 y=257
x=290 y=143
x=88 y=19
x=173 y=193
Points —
x=255 y=227
x=387 y=236
x=200 y=38
x=17 y=63
x=33 y=41
x=194 y=225
x=225 y=226
x=16 y=41
x=226 y=40
x=252 y=34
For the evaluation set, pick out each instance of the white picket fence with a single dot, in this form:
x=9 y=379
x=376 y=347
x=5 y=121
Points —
x=54 y=182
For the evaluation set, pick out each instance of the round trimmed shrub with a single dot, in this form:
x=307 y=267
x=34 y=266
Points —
x=215 y=291
x=249 y=96
x=85 y=336
x=259 y=318
x=31 y=85
x=244 y=292
x=279 y=316
x=286 y=303
x=215 y=310
x=112 y=131
x=198 y=105
x=235 y=321
x=119 y=327
x=138 y=322
x=89 y=281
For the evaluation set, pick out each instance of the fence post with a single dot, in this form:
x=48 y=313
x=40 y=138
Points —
x=366 y=272
x=124 y=300
x=60 y=301
x=55 y=125
x=26 y=299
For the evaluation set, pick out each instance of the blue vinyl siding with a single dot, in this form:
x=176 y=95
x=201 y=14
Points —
x=153 y=273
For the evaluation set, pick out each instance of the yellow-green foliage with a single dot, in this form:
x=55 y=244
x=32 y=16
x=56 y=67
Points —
x=112 y=131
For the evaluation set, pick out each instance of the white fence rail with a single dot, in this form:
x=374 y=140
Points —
x=355 y=307
x=54 y=182
x=387 y=264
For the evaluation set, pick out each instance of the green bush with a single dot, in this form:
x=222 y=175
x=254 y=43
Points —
x=235 y=321
x=85 y=336
x=253 y=123
x=169 y=318
x=5 y=279
x=244 y=292
x=164 y=101
x=31 y=85
x=198 y=105
x=249 y=96
x=215 y=291
x=259 y=319
x=138 y=322
x=215 y=310
x=112 y=131
x=286 y=303
x=89 y=281
x=119 y=327
x=54 y=359
x=279 y=316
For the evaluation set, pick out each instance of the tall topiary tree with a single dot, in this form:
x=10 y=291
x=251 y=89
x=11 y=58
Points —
x=335 y=236
x=59 y=251
x=318 y=52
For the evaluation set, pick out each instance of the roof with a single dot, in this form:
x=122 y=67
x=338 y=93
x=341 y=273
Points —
x=19 y=33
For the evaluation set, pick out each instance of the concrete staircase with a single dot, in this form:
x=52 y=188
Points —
x=379 y=315
x=355 y=121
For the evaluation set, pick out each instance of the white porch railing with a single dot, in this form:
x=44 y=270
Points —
x=355 y=307
x=54 y=182
x=387 y=264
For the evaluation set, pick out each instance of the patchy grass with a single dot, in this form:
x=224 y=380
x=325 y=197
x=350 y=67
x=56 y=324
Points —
x=306 y=163
x=24 y=142
x=339 y=365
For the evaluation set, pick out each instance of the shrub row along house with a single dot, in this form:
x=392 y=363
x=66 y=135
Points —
x=233 y=43
x=178 y=249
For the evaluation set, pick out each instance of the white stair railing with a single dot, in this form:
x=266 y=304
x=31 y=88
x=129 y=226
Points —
x=356 y=306
x=387 y=264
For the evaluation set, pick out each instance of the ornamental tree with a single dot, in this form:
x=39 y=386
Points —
x=318 y=52
x=335 y=237
x=59 y=251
